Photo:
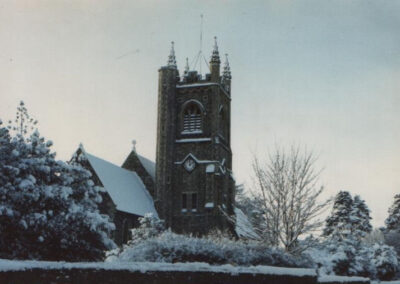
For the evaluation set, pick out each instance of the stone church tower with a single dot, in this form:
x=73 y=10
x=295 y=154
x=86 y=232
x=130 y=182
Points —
x=194 y=181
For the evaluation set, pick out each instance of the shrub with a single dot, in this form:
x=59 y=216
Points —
x=171 y=247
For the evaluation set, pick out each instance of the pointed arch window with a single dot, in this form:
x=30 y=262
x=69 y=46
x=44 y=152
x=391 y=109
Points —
x=192 y=119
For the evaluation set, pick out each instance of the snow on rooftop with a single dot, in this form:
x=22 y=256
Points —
x=232 y=176
x=243 y=226
x=125 y=187
x=148 y=165
x=192 y=140
x=209 y=205
x=197 y=85
x=21 y=265
x=210 y=168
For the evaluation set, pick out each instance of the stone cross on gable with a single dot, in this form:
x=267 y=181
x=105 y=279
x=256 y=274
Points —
x=134 y=145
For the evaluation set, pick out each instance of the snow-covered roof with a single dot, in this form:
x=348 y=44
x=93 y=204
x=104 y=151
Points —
x=203 y=84
x=125 y=188
x=190 y=140
x=148 y=165
x=243 y=226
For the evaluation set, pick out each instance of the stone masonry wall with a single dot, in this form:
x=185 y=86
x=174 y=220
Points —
x=37 y=272
x=88 y=276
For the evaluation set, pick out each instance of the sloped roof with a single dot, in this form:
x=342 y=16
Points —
x=243 y=226
x=125 y=188
x=148 y=165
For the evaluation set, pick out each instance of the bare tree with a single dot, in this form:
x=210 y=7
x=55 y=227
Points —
x=286 y=190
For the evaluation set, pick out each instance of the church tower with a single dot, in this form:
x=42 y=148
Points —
x=194 y=182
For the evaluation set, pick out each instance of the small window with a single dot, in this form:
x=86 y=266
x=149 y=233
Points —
x=192 y=119
x=184 y=202
x=194 y=202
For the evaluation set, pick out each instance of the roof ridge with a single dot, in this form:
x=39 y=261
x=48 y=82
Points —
x=108 y=162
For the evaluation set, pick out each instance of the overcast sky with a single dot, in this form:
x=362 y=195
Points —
x=323 y=74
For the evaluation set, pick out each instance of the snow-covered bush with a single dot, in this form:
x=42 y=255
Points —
x=350 y=247
x=350 y=258
x=384 y=259
x=152 y=243
x=171 y=247
x=392 y=238
x=353 y=258
x=48 y=208
x=338 y=258
x=150 y=227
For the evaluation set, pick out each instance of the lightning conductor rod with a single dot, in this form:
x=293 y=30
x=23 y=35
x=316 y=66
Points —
x=201 y=39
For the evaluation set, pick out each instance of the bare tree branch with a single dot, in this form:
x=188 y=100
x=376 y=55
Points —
x=286 y=189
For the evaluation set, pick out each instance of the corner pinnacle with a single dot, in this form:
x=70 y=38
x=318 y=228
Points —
x=171 y=58
x=227 y=69
x=215 y=53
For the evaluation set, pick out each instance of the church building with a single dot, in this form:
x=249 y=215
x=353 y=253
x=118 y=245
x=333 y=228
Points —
x=191 y=185
x=194 y=181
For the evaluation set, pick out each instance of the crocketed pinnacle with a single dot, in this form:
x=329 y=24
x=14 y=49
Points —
x=215 y=53
x=187 y=66
x=171 y=57
x=227 y=69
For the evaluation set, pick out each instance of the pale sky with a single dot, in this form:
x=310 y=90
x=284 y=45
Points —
x=324 y=74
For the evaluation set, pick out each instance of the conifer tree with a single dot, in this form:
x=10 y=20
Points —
x=338 y=224
x=350 y=218
x=393 y=220
x=360 y=218
x=351 y=252
x=23 y=124
x=48 y=208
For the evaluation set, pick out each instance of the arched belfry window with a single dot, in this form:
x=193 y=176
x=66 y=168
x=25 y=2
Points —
x=192 y=119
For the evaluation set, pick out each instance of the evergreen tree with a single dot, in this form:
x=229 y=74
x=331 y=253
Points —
x=348 y=249
x=23 y=124
x=338 y=224
x=393 y=220
x=349 y=218
x=48 y=209
x=360 y=218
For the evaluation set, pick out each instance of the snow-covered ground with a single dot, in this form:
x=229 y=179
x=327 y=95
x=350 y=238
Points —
x=341 y=279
